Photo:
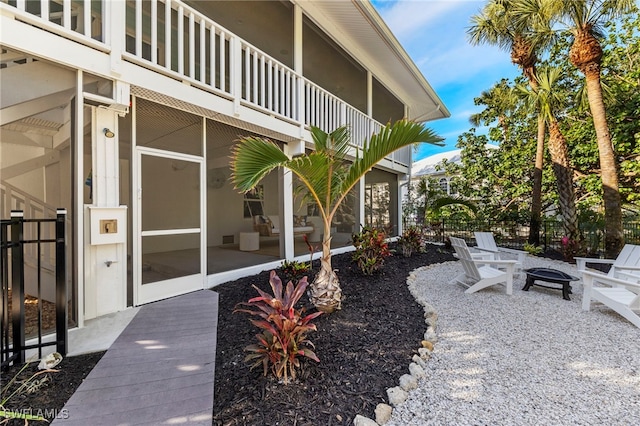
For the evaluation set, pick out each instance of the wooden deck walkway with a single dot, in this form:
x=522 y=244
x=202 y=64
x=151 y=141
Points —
x=160 y=370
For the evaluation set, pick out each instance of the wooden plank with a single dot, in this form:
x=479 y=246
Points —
x=159 y=370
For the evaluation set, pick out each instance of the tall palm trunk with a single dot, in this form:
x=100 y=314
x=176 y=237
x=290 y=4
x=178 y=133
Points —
x=536 y=194
x=564 y=180
x=325 y=292
x=536 y=190
x=614 y=238
x=586 y=55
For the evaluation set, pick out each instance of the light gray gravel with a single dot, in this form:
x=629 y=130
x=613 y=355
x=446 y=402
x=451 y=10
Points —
x=528 y=359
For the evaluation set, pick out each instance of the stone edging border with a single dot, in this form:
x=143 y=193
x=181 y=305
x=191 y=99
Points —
x=407 y=382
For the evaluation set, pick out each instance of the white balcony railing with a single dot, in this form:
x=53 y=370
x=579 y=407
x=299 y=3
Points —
x=176 y=40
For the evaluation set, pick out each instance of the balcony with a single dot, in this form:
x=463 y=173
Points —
x=175 y=40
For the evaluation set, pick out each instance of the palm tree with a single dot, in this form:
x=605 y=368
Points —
x=500 y=100
x=584 y=19
x=498 y=25
x=547 y=100
x=327 y=177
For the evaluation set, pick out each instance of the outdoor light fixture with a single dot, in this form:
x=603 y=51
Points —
x=108 y=133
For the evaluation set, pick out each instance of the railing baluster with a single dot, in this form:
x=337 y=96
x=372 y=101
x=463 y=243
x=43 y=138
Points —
x=62 y=311
x=263 y=89
x=203 y=51
x=192 y=46
x=212 y=56
x=180 y=51
x=66 y=14
x=138 y=17
x=87 y=18
x=270 y=85
x=223 y=72
x=247 y=74
x=154 y=31
x=167 y=34
x=17 y=284
x=254 y=62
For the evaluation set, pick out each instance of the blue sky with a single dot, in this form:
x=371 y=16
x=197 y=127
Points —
x=433 y=32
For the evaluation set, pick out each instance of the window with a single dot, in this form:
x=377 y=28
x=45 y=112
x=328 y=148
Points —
x=253 y=202
x=444 y=185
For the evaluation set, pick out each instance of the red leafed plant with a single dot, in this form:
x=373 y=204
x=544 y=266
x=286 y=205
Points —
x=284 y=329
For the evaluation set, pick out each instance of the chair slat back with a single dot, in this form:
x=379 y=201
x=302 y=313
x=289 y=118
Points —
x=486 y=241
x=464 y=255
x=629 y=256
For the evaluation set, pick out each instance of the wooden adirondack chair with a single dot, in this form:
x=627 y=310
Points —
x=486 y=243
x=626 y=265
x=477 y=274
x=621 y=295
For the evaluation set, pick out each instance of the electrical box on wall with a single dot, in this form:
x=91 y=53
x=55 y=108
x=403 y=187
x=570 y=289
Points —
x=108 y=225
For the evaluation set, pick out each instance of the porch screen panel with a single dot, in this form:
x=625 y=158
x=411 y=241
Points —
x=171 y=198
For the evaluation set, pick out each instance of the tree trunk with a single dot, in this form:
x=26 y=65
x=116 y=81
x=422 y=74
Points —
x=536 y=192
x=325 y=292
x=564 y=180
x=586 y=54
x=536 y=195
x=613 y=237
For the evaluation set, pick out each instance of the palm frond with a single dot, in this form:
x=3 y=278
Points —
x=389 y=139
x=252 y=159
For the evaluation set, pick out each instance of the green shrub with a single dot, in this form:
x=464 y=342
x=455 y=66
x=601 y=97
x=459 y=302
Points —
x=284 y=329
x=294 y=270
x=371 y=249
x=411 y=241
x=532 y=249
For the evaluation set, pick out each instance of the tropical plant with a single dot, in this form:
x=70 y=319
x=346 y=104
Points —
x=545 y=99
x=284 y=329
x=371 y=249
x=532 y=249
x=327 y=177
x=584 y=19
x=411 y=241
x=500 y=24
x=294 y=270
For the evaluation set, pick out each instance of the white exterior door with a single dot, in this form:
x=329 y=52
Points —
x=169 y=245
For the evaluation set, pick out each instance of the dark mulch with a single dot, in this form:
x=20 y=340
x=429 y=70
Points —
x=363 y=349
x=50 y=390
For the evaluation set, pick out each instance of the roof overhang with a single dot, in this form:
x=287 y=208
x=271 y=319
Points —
x=360 y=30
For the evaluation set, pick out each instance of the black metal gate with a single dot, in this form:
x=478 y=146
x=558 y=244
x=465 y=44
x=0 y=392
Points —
x=12 y=273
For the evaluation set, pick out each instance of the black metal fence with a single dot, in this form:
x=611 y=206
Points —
x=515 y=235
x=12 y=274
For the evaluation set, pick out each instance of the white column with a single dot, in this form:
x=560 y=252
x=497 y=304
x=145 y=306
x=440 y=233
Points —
x=286 y=211
x=105 y=167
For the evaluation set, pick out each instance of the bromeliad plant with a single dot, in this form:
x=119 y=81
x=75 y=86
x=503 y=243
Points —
x=284 y=329
x=371 y=249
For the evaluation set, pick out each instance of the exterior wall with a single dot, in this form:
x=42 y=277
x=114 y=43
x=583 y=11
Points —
x=100 y=62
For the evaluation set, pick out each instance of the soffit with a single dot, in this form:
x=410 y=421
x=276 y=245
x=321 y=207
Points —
x=358 y=28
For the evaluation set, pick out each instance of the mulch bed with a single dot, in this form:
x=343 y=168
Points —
x=363 y=349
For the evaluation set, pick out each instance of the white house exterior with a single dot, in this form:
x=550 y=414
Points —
x=124 y=113
x=432 y=167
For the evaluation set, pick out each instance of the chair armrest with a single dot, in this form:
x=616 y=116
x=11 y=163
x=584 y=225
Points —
x=495 y=262
x=586 y=260
x=594 y=277
x=485 y=249
x=627 y=268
